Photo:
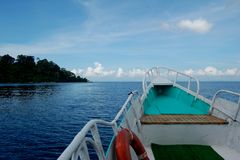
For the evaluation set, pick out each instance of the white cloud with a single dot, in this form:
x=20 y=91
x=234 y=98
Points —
x=99 y=71
x=199 y=72
x=189 y=71
x=198 y=25
x=136 y=72
x=119 y=73
x=232 y=71
x=213 y=71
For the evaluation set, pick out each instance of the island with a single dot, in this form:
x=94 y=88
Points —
x=24 y=69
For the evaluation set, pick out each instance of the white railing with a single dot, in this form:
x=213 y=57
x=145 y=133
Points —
x=158 y=74
x=78 y=147
x=216 y=95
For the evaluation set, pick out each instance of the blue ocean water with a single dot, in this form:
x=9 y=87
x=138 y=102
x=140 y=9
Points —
x=38 y=121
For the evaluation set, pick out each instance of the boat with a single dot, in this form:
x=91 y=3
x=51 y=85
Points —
x=168 y=120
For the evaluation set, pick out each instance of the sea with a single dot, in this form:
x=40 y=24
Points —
x=38 y=121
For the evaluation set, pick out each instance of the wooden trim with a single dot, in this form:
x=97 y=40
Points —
x=181 y=119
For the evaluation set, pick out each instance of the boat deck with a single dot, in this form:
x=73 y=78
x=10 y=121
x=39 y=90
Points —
x=172 y=100
x=181 y=119
x=185 y=152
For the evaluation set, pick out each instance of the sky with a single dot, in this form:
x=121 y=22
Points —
x=106 y=40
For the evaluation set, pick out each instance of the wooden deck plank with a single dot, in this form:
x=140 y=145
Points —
x=181 y=119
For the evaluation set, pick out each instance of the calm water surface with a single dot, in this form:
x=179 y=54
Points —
x=38 y=121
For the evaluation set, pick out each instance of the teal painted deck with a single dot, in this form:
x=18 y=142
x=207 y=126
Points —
x=172 y=100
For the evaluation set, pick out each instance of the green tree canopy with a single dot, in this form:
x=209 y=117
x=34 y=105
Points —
x=24 y=69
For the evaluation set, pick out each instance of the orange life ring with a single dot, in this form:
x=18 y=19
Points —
x=124 y=139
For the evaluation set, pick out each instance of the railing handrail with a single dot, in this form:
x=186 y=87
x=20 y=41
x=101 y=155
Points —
x=226 y=91
x=120 y=112
x=67 y=153
x=229 y=92
x=79 y=138
x=144 y=83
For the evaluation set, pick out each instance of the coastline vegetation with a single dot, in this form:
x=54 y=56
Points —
x=24 y=69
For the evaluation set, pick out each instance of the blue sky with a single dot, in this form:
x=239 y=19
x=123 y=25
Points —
x=119 y=40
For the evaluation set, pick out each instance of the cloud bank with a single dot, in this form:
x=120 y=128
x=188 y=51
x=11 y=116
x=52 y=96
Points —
x=99 y=72
x=213 y=71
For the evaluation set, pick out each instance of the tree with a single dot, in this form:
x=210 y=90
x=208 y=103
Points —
x=6 y=68
x=47 y=71
x=24 y=69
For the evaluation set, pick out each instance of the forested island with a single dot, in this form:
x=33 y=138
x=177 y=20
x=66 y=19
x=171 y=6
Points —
x=24 y=69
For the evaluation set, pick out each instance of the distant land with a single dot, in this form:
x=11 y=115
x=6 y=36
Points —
x=24 y=69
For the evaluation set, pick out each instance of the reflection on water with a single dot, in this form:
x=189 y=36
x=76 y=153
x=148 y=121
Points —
x=38 y=121
x=13 y=90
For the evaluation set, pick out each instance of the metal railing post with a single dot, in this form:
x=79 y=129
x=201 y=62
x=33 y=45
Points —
x=158 y=71
x=189 y=83
x=175 y=81
x=126 y=119
x=74 y=156
x=83 y=151
x=168 y=74
x=115 y=128
x=96 y=137
x=238 y=109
